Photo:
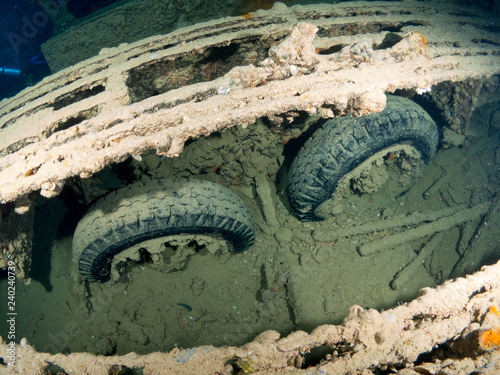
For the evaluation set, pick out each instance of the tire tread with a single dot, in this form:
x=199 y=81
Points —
x=343 y=143
x=138 y=212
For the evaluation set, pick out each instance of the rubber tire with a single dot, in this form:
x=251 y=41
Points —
x=140 y=212
x=343 y=143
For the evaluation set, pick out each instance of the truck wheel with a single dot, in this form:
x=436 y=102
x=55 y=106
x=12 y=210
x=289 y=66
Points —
x=141 y=212
x=344 y=143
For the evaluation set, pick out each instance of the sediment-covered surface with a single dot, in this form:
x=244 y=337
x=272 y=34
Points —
x=160 y=92
x=453 y=320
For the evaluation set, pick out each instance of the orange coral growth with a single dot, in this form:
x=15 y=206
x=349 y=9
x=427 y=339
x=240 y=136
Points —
x=420 y=39
x=490 y=339
x=247 y=16
x=494 y=310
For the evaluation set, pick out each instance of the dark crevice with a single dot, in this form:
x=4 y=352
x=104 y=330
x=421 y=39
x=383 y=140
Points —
x=72 y=121
x=76 y=96
x=289 y=304
x=316 y=356
x=486 y=41
x=198 y=97
x=389 y=41
x=124 y=370
x=356 y=28
x=160 y=76
x=59 y=103
x=52 y=368
x=333 y=49
x=263 y=283
x=14 y=147
x=63 y=125
x=152 y=51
